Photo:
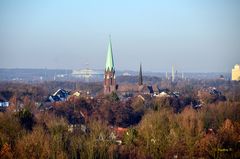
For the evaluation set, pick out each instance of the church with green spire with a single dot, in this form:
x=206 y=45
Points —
x=109 y=72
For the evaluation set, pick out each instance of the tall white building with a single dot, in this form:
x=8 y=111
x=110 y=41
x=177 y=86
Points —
x=236 y=73
x=173 y=74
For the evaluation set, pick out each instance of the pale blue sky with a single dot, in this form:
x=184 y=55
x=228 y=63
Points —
x=194 y=35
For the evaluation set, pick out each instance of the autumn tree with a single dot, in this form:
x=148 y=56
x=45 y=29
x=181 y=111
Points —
x=34 y=145
x=26 y=118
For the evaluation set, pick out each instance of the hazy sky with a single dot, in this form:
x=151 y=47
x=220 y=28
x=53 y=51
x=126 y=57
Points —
x=194 y=35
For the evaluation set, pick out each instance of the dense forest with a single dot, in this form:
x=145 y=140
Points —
x=111 y=126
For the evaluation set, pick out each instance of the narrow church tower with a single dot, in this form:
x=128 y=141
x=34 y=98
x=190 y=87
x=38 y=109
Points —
x=140 y=80
x=109 y=73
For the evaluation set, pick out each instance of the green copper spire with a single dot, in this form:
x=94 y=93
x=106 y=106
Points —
x=109 y=62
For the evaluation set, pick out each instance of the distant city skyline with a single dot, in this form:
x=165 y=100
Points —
x=194 y=36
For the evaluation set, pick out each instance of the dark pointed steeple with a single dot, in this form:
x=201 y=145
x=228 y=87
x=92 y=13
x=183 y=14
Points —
x=140 y=80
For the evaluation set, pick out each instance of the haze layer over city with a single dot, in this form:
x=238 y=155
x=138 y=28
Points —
x=194 y=36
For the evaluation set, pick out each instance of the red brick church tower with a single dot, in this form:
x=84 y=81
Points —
x=109 y=73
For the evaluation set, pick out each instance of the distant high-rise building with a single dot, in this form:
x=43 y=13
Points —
x=140 y=80
x=109 y=73
x=236 y=73
x=173 y=74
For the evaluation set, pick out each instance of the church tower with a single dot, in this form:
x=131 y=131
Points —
x=140 y=78
x=109 y=73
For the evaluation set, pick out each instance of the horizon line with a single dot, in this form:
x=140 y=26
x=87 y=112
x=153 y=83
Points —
x=119 y=70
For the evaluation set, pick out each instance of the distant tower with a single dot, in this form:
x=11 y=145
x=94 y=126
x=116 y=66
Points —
x=109 y=73
x=140 y=80
x=173 y=74
x=167 y=75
